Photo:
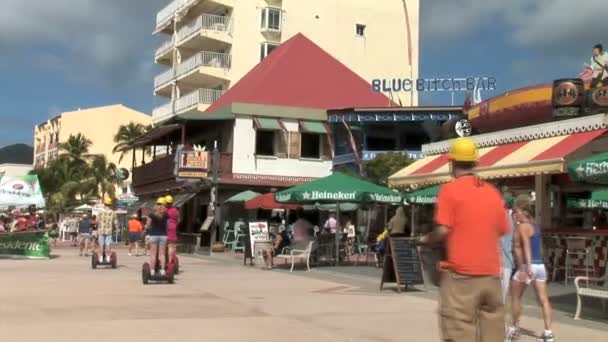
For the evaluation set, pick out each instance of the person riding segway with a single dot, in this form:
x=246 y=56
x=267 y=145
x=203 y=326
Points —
x=104 y=255
x=154 y=269
x=172 y=222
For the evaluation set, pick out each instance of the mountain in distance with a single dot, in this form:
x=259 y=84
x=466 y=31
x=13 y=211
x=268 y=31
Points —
x=17 y=154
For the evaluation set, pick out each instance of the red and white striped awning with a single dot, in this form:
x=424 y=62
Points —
x=525 y=158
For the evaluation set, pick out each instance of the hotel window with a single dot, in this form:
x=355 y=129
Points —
x=360 y=30
x=264 y=143
x=271 y=19
x=266 y=49
x=310 y=145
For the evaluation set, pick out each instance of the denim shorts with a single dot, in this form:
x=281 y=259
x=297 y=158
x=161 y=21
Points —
x=104 y=239
x=134 y=237
x=158 y=239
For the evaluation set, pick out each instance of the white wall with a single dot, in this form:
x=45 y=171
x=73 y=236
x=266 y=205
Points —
x=246 y=162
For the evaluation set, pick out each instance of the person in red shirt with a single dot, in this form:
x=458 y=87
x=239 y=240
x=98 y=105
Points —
x=172 y=222
x=470 y=218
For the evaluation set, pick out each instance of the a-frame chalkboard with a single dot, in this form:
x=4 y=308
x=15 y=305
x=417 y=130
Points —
x=401 y=263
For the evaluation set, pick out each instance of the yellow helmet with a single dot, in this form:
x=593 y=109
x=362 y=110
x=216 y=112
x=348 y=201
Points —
x=464 y=150
x=107 y=200
x=169 y=199
x=160 y=200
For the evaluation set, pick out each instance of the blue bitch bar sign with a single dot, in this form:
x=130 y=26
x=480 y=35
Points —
x=396 y=85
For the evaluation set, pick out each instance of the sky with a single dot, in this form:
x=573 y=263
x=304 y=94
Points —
x=62 y=55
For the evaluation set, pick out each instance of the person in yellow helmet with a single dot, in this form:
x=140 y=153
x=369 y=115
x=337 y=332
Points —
x=156 y=224
x=172 y=222
x=470 y=218
x=107 y=221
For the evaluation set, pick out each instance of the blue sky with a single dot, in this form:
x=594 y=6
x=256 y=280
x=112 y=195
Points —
x=86 y=53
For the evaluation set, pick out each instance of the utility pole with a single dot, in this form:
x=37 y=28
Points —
x=213 y=203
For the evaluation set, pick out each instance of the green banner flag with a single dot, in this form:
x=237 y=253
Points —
x=30 y=245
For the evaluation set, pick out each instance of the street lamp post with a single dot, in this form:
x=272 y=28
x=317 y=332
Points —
x=214 y=183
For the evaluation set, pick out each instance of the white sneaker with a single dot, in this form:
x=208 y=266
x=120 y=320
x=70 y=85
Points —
x=162 y=273
x=130 y=254
x=107 y=258
x=100 y=259
x=513 y=334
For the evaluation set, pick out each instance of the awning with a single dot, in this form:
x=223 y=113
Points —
x=182 y=199
x=271 y=124
x=313 y=127
x=526 y=158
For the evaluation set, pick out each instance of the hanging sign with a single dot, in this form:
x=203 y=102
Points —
x=192 y=164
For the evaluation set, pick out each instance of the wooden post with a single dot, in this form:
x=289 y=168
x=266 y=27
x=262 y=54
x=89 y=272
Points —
x=338 y=233
x=143 y=155
x=542 y=201
x=183 y=134
x=413 y=219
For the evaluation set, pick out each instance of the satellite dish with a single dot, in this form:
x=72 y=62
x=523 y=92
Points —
x=122 y=174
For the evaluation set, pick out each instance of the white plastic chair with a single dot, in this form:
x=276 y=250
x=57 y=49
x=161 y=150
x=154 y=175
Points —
x=299 y=253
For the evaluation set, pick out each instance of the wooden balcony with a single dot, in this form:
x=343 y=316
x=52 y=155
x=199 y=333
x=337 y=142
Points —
x=159 y=174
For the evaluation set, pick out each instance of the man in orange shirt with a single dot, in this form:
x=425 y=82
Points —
x=135 y=229
x=471 y=219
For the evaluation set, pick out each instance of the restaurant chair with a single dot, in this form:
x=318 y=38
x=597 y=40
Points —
x=578 y=248
x=229 y=235
x=239 y=241
x=551 y=244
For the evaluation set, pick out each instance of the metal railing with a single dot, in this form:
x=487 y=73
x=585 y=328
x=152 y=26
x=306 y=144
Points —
x=205 y=22
x=162 y=111
x=205 y=58
x=168 y=11
x=164 y=78
x=165 y=46
x=199 y=96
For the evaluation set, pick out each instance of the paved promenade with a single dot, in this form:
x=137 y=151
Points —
x=215 y=299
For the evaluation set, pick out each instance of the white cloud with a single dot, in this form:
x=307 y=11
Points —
x=554 y=25
x=107 y=41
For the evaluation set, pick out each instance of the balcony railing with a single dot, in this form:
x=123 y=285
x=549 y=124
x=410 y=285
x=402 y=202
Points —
x=165 y=46
x=168 y=11
x=163 y=170
x=204 y=22
x=199 y=96
x=162 y=111
x=205 y=58
x=164 y=78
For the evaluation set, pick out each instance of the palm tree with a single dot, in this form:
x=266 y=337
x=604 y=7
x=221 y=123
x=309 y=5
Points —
x=103 y=176
x=76 y=147
x=126 y=134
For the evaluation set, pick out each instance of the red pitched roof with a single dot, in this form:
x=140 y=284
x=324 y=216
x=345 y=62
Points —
x=301 y=74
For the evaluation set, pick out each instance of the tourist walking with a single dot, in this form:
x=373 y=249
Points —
x=84 y=235
x=135 y=229
x=527 y=243
x=470 y=217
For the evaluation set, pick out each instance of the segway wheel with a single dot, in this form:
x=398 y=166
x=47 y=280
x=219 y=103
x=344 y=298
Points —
x=94 y=260
x=113 y=260
x=145 y=273
x=170 y=274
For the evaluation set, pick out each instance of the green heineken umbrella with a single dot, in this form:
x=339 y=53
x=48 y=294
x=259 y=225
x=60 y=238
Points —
x=242 y=197
x=590 y=170
x=599 y=195
x=586 y=203
x=338 y=188
x=423 y=196
x=331 y=207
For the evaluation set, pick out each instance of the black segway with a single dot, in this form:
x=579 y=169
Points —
x=146 y=274
x=95 y=259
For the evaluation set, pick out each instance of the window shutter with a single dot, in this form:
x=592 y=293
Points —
x=294 y=145
x=327 y=148
x=281 y=138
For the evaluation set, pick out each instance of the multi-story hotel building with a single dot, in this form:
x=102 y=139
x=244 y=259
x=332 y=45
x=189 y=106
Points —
x=211 y=44
x=98 y=124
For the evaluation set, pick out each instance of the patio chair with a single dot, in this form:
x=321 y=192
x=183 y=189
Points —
x=303 y=254
x=229 y=235
x=239 y=241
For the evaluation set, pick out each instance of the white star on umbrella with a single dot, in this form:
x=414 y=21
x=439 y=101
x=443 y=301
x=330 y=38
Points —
x=580 y=171
x=306 y=195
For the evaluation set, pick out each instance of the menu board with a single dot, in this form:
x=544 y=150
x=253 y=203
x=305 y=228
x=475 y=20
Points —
x=257 y=231
x=192 y=164
x=402 y=263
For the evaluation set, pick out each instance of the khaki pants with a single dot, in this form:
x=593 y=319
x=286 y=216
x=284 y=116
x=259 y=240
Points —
x=471 y=308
